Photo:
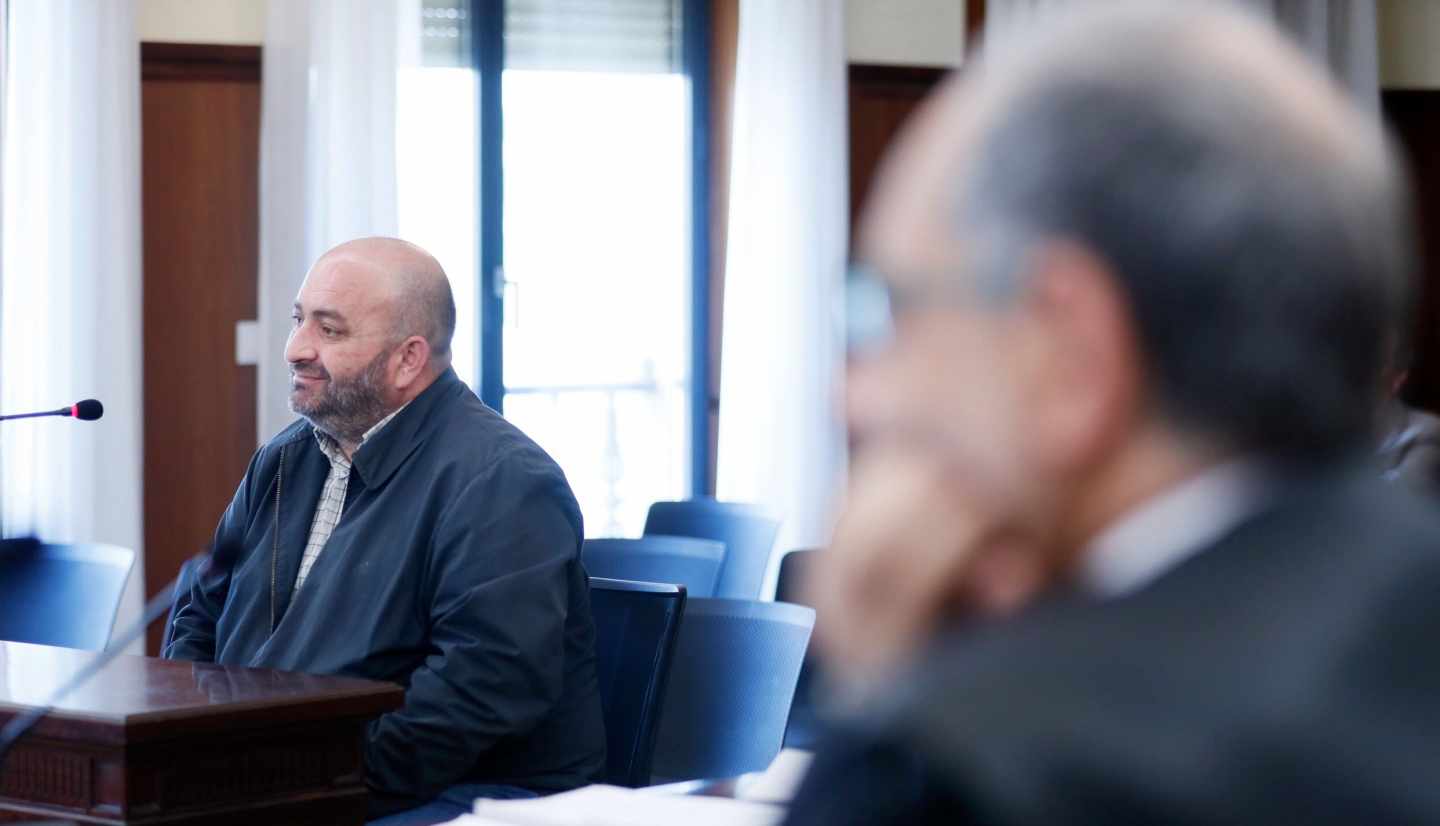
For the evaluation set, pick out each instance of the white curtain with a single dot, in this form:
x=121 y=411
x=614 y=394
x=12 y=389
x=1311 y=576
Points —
x=780 y=444
x=1338 y=34
x=327 y=153
x=70 y=279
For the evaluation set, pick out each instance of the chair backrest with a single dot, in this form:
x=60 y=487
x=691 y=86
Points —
x=64 y=595
x=635 y=630
x=184 y=581
x=747 y=533
x=734 y=676
x=790 y=580
x=682 y=560
x=805 y=726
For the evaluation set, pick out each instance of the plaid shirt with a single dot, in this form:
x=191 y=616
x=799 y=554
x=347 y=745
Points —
x=332 y=496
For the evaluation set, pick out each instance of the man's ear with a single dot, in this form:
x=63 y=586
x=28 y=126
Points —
x=414 y=355
x=1088 y=386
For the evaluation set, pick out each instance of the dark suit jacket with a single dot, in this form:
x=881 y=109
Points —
x=1287 y=674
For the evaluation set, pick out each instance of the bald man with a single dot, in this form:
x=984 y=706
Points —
x=401 y=530
x=1115 y=550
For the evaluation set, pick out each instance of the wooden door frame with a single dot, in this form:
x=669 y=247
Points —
x=199 y=61
x=189 y=63
x=974 y=23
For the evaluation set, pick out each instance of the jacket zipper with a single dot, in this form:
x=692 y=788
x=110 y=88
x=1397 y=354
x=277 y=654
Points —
x=275 y=540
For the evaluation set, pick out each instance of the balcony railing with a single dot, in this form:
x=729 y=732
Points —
x=612 y=464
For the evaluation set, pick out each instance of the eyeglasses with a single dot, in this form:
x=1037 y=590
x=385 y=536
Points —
x=873 y=303
x=992 y=273
x=867 y=313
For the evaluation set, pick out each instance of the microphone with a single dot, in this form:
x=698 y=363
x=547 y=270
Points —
x=218 y=559
x=87 y=410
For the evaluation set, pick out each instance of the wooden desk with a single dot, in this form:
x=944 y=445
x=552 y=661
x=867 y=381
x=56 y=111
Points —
x=155 y=741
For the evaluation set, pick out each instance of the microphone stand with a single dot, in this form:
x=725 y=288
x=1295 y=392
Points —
x=157 y=607
x=9 y=416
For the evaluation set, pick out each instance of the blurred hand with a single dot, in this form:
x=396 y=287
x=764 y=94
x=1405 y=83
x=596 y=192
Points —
x=914 y=548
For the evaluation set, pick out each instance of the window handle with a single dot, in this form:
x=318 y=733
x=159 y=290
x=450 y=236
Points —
x=508 y=292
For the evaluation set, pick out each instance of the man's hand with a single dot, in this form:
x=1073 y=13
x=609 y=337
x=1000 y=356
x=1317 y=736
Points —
x=914 y=548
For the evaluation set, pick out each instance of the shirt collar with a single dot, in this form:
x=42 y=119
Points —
x=1170 y=527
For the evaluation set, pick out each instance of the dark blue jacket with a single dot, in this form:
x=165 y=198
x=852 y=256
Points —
x=454 y=571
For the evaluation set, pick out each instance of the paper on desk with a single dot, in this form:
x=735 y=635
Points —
x=779 y=782
x=616 y=806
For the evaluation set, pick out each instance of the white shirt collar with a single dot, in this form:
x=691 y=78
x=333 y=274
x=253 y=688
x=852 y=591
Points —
x=1170 y=527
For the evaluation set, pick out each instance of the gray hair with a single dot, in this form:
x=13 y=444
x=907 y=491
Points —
x=1256 y=222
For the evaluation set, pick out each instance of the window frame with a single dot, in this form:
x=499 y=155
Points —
x=488 y=58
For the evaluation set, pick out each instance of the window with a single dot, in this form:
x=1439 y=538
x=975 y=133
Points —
x=571 y=229
x=435 y=168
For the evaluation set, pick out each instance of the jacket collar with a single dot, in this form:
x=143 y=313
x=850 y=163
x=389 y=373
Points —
x=382 y=454
x=1173 y=525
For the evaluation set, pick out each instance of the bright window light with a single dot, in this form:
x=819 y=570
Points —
x=597 y=265
x=597 y=260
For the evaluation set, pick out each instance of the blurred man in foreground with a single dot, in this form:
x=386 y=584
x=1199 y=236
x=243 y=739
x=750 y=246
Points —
x=1106 y=558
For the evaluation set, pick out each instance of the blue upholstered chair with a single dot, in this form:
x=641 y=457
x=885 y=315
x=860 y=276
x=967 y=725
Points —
x=746 y=531
x=804 y=729
x=681 y=560
x=65 y=595
x=636 y=624
x=736 y=664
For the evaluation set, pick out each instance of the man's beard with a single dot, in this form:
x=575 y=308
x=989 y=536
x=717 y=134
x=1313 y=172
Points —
x=347 y=407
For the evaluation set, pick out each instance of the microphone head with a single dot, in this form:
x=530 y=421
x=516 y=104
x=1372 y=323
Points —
x=88 y=410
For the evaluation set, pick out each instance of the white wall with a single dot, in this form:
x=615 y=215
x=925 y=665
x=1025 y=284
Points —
x=233 y=22
x=932 y=33
x=1409 y=43
x=905 y=32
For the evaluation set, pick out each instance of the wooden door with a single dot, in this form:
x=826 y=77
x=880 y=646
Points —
x=882 y=98
x=200 y=109
x=1414 y=115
